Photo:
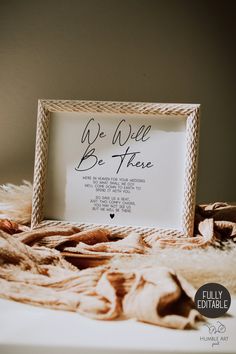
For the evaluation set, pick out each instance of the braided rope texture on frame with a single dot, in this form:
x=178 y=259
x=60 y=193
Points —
x=191 y=111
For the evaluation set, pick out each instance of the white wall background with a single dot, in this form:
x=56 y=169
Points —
x=132 y=50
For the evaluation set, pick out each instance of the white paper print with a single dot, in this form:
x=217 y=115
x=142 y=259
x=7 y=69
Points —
x=118 y=169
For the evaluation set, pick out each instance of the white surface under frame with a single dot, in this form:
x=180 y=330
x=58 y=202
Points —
x=27 y=329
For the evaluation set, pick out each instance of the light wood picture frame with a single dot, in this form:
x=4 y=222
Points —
x=162 y=188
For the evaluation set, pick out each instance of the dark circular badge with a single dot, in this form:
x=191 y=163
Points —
x=212 y=300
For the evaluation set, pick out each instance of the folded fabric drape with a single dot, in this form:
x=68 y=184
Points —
x=33 y=270
x=40 y=276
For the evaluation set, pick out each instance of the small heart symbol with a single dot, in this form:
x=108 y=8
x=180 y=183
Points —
x=112 y=216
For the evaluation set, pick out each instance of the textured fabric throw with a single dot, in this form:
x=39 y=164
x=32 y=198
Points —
x=33 y=270
x=40 y=276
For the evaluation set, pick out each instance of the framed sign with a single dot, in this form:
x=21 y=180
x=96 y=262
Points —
x=116 y=164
